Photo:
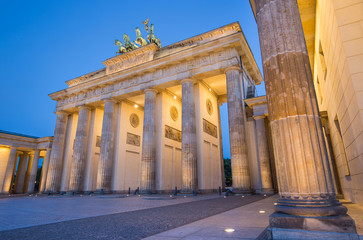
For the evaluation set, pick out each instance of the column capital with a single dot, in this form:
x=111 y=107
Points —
x=110 y=100
x=232 y=68
x=189 y=80
x=151 y=90
x=259 y=116
x=84 y=106
x=61 y=113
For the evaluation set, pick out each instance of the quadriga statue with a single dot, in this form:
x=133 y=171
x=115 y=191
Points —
x=151 y=37
x=128 y=44
x=121 y=48
x=139 y=39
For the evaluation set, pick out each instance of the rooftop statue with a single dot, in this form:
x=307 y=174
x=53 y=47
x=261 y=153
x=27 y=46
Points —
x=128 y=44
x=121 y=48
x=146 y=25
x=139 y=39
x=151 y=37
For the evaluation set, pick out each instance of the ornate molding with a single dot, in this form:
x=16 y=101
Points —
x=226 y=56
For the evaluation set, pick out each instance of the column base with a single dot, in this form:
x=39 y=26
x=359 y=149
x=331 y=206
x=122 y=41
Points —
x=266 y=191
x=241 y=191
x=320 y=207
x=285 y=226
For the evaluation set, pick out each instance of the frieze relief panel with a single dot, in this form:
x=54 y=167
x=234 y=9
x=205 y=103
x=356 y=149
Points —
x=173 y=134
x=210 y=128
x=133 y=139
x=227 y=54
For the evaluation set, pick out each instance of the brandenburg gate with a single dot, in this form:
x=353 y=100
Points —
x=150 y=119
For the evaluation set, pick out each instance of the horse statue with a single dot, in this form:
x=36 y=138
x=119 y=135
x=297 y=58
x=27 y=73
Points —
x=121 y=48
x=128 y=44
x=139 y=39
x=151 y=37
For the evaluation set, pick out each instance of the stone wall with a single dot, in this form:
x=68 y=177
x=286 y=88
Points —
x=338 y=79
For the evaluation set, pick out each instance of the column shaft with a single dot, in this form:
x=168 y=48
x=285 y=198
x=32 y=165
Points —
x=237 y=135
x=56 y=157
x=148 y=160
x=43 y=178
x=20 y=173
x=9 y=170
x=80 y=151
x=189 y=140
x=263 y=155
x=104 y=174
x=305 y=180
x=32 y=172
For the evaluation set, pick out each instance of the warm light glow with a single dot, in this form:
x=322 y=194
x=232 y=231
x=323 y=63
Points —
x=262 y=211
x=174 y=97
x=136 y=106
x=210 y=89
x=243 y=196
x=229 y=230
x=264 y=195
x=275 y=204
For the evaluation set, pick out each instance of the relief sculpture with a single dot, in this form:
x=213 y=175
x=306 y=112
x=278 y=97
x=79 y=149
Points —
x=173 y=134
x=210 y=128
x=133 y=139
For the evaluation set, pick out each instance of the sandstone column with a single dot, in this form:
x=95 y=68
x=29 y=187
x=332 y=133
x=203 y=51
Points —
x=9 y=170
x=304 y=177
x=44 y=175
x=263 y=155
x=20 y=173
x=80 y=150
x=237 y=135
x=32 y=172
x=104 y=174
x=189 y=140
x=56 y=157
x=148 y=160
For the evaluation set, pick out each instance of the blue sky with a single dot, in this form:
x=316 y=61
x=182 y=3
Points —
x=45 y=43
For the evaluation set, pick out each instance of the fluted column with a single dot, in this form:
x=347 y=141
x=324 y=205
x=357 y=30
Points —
x=189 y=140
x=20 y=173
x=304 y=177
x=56 y=157
x=43 y=178
x=263 y=155
x=237 y=135
x=9 y=170
x=104 y=174
x=148 y=160
x=80 y=150
x=32 y=172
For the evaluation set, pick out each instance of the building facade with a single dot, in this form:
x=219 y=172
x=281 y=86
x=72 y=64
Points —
x=151 y=120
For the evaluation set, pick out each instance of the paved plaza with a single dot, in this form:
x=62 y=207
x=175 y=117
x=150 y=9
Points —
x=109 y=216
x=137 y=217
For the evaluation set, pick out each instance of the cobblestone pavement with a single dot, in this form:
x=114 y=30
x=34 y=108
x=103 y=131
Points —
x=20 y=212
x=128 y=224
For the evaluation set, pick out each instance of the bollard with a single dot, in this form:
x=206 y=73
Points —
x=176 y=191
x=220 y=191
x=129 y=191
